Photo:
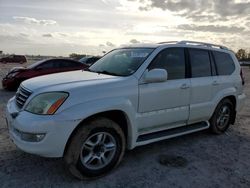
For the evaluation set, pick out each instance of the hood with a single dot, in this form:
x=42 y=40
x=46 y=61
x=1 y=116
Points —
x=70 y=79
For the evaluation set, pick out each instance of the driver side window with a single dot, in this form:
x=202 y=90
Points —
x=172 y=60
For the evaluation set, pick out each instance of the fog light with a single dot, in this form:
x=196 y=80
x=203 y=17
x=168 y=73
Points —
x=30 y=137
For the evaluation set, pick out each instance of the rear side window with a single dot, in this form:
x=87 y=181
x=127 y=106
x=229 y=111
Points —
x=200 y=63
x=173 y=60
x=224 y=63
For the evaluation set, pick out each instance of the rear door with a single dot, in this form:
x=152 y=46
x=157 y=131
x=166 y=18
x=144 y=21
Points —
x=225 y=67
x=225 y=78
x=201 y=85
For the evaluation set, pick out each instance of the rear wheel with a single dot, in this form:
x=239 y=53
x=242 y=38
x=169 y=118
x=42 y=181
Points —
x=96 y=148
x=221 y=119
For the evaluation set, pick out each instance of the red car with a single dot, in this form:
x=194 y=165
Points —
x=18 y=74
x=14 y=59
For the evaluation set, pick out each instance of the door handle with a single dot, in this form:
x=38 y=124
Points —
x=215 y=83
x=184 y=86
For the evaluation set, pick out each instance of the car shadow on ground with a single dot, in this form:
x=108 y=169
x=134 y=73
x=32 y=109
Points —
x=193 y=148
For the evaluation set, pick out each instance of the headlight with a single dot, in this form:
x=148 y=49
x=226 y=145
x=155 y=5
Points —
x=46 y=103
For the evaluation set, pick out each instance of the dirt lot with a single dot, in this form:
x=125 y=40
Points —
x=196 y=160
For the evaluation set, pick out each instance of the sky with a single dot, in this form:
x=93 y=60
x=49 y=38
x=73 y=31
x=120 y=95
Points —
x=61 y=27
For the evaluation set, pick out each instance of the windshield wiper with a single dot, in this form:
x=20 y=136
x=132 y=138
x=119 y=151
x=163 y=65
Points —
x=102 y=72
x=106 y=72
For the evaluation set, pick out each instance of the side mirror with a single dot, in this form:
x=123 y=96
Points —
x=156 y=75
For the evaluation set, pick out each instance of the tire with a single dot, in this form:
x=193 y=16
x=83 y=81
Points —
x=90 y=155
x=221 y=119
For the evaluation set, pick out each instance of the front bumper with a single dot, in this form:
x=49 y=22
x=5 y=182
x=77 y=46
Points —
x=56 y=128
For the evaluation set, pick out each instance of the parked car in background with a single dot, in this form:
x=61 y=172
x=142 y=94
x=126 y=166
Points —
x=18 y=74
x=14 y=59
x=245 y=63
x=89 y=60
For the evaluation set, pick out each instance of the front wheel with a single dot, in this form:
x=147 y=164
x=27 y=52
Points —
x=221 y=119
x=97 y=147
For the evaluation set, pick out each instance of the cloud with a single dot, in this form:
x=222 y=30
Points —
x=231 y=8
x=13 y=40
x=211 y=28
x=23 y=34
x=134 y=41
x=63 y=34
x=176 y=5
x=29 y=20
x=199 y=8
x=110 y=44
x=47 y=35
x=248 y=25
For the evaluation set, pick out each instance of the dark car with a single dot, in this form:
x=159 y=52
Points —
x=245 y=63
x=89 y=60
x=18 y=74
x=14 y=59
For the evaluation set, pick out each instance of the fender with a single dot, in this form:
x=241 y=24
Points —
x=221 y=95
x=84 y=110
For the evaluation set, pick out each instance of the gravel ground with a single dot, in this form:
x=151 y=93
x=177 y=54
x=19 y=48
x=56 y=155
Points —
x=196 y=160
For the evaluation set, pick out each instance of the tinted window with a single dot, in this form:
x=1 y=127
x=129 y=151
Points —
x=46 y=65
x=200 y=63
x=172 y=60
x=66 y=64
x=224 y=63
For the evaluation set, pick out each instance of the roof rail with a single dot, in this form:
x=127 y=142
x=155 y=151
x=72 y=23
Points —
x=167 y=42
x=203 y=44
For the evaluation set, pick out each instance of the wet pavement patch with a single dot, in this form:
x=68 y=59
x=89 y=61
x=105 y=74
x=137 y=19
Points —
x=172 y=161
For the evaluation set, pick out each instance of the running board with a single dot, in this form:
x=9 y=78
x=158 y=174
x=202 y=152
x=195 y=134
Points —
x=170 y=133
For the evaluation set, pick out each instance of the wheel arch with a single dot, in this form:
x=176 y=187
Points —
x=118 y=116
x=232 y=98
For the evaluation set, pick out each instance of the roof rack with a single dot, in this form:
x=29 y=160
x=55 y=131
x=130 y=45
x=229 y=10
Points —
x=203 y=44
x=209 y=45
x=167 y=42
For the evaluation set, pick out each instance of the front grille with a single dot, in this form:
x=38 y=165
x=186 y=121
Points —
x=22 y=95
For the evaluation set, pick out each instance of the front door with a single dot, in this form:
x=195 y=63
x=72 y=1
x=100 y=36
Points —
x=165 y=104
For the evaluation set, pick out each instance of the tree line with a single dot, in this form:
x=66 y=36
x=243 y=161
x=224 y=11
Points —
x=243 y=55
x=77 y=56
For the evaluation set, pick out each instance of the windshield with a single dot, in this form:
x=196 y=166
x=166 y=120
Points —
x=121 y=62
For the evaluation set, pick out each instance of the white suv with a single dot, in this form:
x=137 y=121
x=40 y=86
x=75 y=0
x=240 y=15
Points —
x=132 y=96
